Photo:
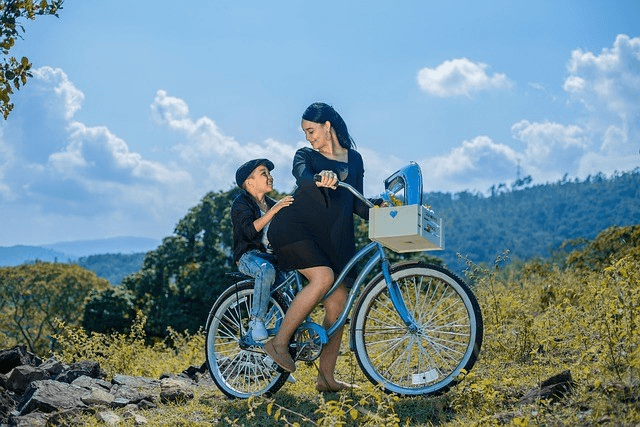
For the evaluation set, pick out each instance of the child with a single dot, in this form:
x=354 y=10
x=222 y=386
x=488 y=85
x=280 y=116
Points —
x=251 y=213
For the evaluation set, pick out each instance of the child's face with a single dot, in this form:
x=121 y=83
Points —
x=260 y=180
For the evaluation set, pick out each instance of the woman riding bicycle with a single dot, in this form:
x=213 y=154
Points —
x=315 y=234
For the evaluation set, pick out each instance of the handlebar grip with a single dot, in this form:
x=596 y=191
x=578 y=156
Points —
x=355 y=192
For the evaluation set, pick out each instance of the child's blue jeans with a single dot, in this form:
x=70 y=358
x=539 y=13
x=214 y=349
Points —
x=260 y=266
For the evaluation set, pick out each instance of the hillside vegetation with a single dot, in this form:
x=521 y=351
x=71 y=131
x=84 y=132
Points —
x=577 y=317
x=533 y=222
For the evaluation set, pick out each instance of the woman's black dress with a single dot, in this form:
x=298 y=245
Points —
x=317 y=229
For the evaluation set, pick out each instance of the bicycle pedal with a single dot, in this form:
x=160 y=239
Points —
x=270 y=363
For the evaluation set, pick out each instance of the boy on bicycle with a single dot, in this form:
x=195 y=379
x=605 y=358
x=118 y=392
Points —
x=251 y=213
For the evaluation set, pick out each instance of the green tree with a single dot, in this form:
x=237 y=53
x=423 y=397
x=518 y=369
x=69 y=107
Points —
x=180 y=280
x=14 y=72
x=35 y=295
x=109 y=310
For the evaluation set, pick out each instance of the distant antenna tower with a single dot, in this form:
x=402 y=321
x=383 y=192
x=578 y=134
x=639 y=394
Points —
x=518 y=172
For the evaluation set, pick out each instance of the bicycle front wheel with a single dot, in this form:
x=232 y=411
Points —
x=425 y=358
x=239 y=367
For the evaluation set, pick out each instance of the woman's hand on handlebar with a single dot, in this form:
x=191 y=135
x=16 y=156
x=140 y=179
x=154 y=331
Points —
x=327 y=179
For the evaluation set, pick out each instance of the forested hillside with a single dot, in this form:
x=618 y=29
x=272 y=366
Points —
x=113 y=267
x=534 y=221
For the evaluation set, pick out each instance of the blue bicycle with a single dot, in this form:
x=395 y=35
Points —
x=413 y=327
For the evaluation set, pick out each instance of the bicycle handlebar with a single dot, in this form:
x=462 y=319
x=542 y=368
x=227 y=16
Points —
x=317 y=177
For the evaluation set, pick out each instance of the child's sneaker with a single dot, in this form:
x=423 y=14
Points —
x=258 y=330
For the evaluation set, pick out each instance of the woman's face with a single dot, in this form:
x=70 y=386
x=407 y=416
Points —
x=317 y=134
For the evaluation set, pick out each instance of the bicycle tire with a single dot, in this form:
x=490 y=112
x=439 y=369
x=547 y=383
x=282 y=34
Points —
x=240 y=370
x=426 y=361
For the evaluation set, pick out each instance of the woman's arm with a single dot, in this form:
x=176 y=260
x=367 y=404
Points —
x=359 y=207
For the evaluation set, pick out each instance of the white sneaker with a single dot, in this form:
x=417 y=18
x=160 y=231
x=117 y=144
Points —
x=258 y=330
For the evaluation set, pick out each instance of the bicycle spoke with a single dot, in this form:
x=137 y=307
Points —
x=240 y=371
x=424 y=357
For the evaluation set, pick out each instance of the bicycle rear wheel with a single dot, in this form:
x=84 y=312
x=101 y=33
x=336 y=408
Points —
x=428 y=358
x=239 y=366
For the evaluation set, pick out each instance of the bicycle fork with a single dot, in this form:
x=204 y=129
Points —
x=396 y=295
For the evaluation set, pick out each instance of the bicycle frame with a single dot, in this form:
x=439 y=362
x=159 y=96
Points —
x=377 y=257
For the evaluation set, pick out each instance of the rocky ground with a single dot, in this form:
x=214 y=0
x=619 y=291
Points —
x=34 y=392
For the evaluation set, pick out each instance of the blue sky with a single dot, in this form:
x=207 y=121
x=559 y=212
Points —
x=137 y=109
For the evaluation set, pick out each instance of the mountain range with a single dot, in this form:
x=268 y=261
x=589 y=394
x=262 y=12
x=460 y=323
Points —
x=72 y=250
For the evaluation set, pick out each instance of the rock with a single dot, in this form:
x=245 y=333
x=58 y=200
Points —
x=21 y=376
x=68 y=417
x=17 y=356
x=91 y=383
x=554 y=389
x=145 y=404
x=193 y=371
x=7 y=403
x=110 y=418
x=98 y=396
x=33 y=393
x=126 y=394
x=53 y=367
x=76 y=370
x=175 y=390
x=138 y=419
x=37 y=419
x=135 y=382
x=120 y=402
x=51 y=396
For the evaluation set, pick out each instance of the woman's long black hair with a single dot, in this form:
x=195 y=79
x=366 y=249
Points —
x=319 y=112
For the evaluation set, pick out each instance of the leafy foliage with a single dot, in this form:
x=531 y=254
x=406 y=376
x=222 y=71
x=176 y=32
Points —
x=534 y=222
x=126 y=353
x=33 y=296
x=14 y=72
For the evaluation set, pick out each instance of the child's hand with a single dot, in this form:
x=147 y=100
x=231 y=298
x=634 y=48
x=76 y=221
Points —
x=282 y=203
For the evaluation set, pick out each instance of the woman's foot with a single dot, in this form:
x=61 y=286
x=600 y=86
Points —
x=334 y=386
x=280 y=355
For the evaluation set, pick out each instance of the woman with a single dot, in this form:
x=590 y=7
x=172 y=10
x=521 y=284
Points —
x=315 y=234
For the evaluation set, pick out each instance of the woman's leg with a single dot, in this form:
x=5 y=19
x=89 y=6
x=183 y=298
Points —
x=334 y=305
x=320 y=281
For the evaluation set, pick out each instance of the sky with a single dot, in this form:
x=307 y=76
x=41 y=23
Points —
x=137 y=109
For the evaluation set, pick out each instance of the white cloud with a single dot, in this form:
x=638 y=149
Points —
x=56 y=79
x=52 y=167
x=475 y=165
x=610 y=80
x=551 y=149
x=607 y=85
x=213 y=156
x=459 y=77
